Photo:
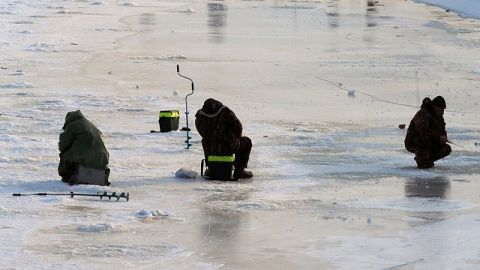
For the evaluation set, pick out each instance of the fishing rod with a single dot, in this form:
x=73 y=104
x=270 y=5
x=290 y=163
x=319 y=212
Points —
x=186 y=107
x=118 y=196
x=455 y=144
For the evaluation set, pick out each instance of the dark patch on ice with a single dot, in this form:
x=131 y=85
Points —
x=79 y=208
x=17 y=85
x=23 y=94
x=446 y=27
x=294 y=7
x=47 y=105
x=217 y=20
x=129 y=251
x=386 y=17
x=428 y=187
x=115 y=30
x=23 y=22
x=148 y=19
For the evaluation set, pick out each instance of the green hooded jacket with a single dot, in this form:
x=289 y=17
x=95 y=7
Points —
x=81 y=142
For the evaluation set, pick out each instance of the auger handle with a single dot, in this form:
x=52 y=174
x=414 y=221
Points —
x=23 y=194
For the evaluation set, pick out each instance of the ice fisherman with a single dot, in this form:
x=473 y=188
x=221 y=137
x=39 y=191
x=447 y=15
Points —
x=426 y=135
x=82 y=152
x=221 y=133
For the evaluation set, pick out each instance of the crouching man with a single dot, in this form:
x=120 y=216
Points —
x=83 y=156
x=221 y=133
x=426 y=134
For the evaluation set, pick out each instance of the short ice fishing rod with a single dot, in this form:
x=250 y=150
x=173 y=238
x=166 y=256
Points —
x=124 y=195
x=455 y=144
x=186 y=107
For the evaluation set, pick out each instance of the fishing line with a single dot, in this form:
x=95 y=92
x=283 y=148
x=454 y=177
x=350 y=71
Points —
x=339 y=85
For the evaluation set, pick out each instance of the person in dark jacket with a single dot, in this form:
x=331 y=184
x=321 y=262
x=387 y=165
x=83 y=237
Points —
x=426 y=135
x=221 y=133
x=80 y=144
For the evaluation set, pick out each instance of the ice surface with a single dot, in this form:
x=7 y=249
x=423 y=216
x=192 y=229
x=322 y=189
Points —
x=334 y=187
x=437 y=246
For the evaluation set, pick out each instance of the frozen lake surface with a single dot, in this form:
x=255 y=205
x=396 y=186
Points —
x=321 y=88
x=466 y=8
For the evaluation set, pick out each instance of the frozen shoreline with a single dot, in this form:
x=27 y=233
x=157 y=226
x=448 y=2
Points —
x=465 y=8
x=320 y=87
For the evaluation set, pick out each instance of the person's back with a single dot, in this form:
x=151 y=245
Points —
x=221 y=133
x=219 y=127
x=80 y=144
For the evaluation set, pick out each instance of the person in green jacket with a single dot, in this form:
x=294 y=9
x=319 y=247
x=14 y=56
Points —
x=81 y=144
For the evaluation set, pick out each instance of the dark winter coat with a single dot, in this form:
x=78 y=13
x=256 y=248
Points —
x=81 y=142
x=425 y=129
x=219 y=127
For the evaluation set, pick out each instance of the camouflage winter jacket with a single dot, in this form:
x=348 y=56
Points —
x=81 y=142
x=219 y=127
x=425 y=129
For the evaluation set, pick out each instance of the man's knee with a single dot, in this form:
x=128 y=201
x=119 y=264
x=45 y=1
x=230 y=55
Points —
x=246 y=142
x=445 y=151
x=448 y=149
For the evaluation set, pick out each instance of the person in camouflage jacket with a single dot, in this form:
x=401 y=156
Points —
x=426 y=134
x=221 y=133
x=80 y=143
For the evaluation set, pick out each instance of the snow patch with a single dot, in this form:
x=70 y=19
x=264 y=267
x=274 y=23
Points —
x=7 y=138
x=5 y=210
x=186 y=173
x=159 y=58
x=41 y=47
x=147 y=214
x=17 y=85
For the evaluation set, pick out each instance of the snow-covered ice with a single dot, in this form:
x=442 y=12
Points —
x=321 y=88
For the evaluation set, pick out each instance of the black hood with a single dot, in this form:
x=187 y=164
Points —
x=211 y=108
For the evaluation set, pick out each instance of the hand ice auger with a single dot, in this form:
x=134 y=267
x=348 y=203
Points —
x=105 y=194
x=186 y=107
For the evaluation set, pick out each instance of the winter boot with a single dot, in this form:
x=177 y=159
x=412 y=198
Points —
x=423 y=164
x=242 y=174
